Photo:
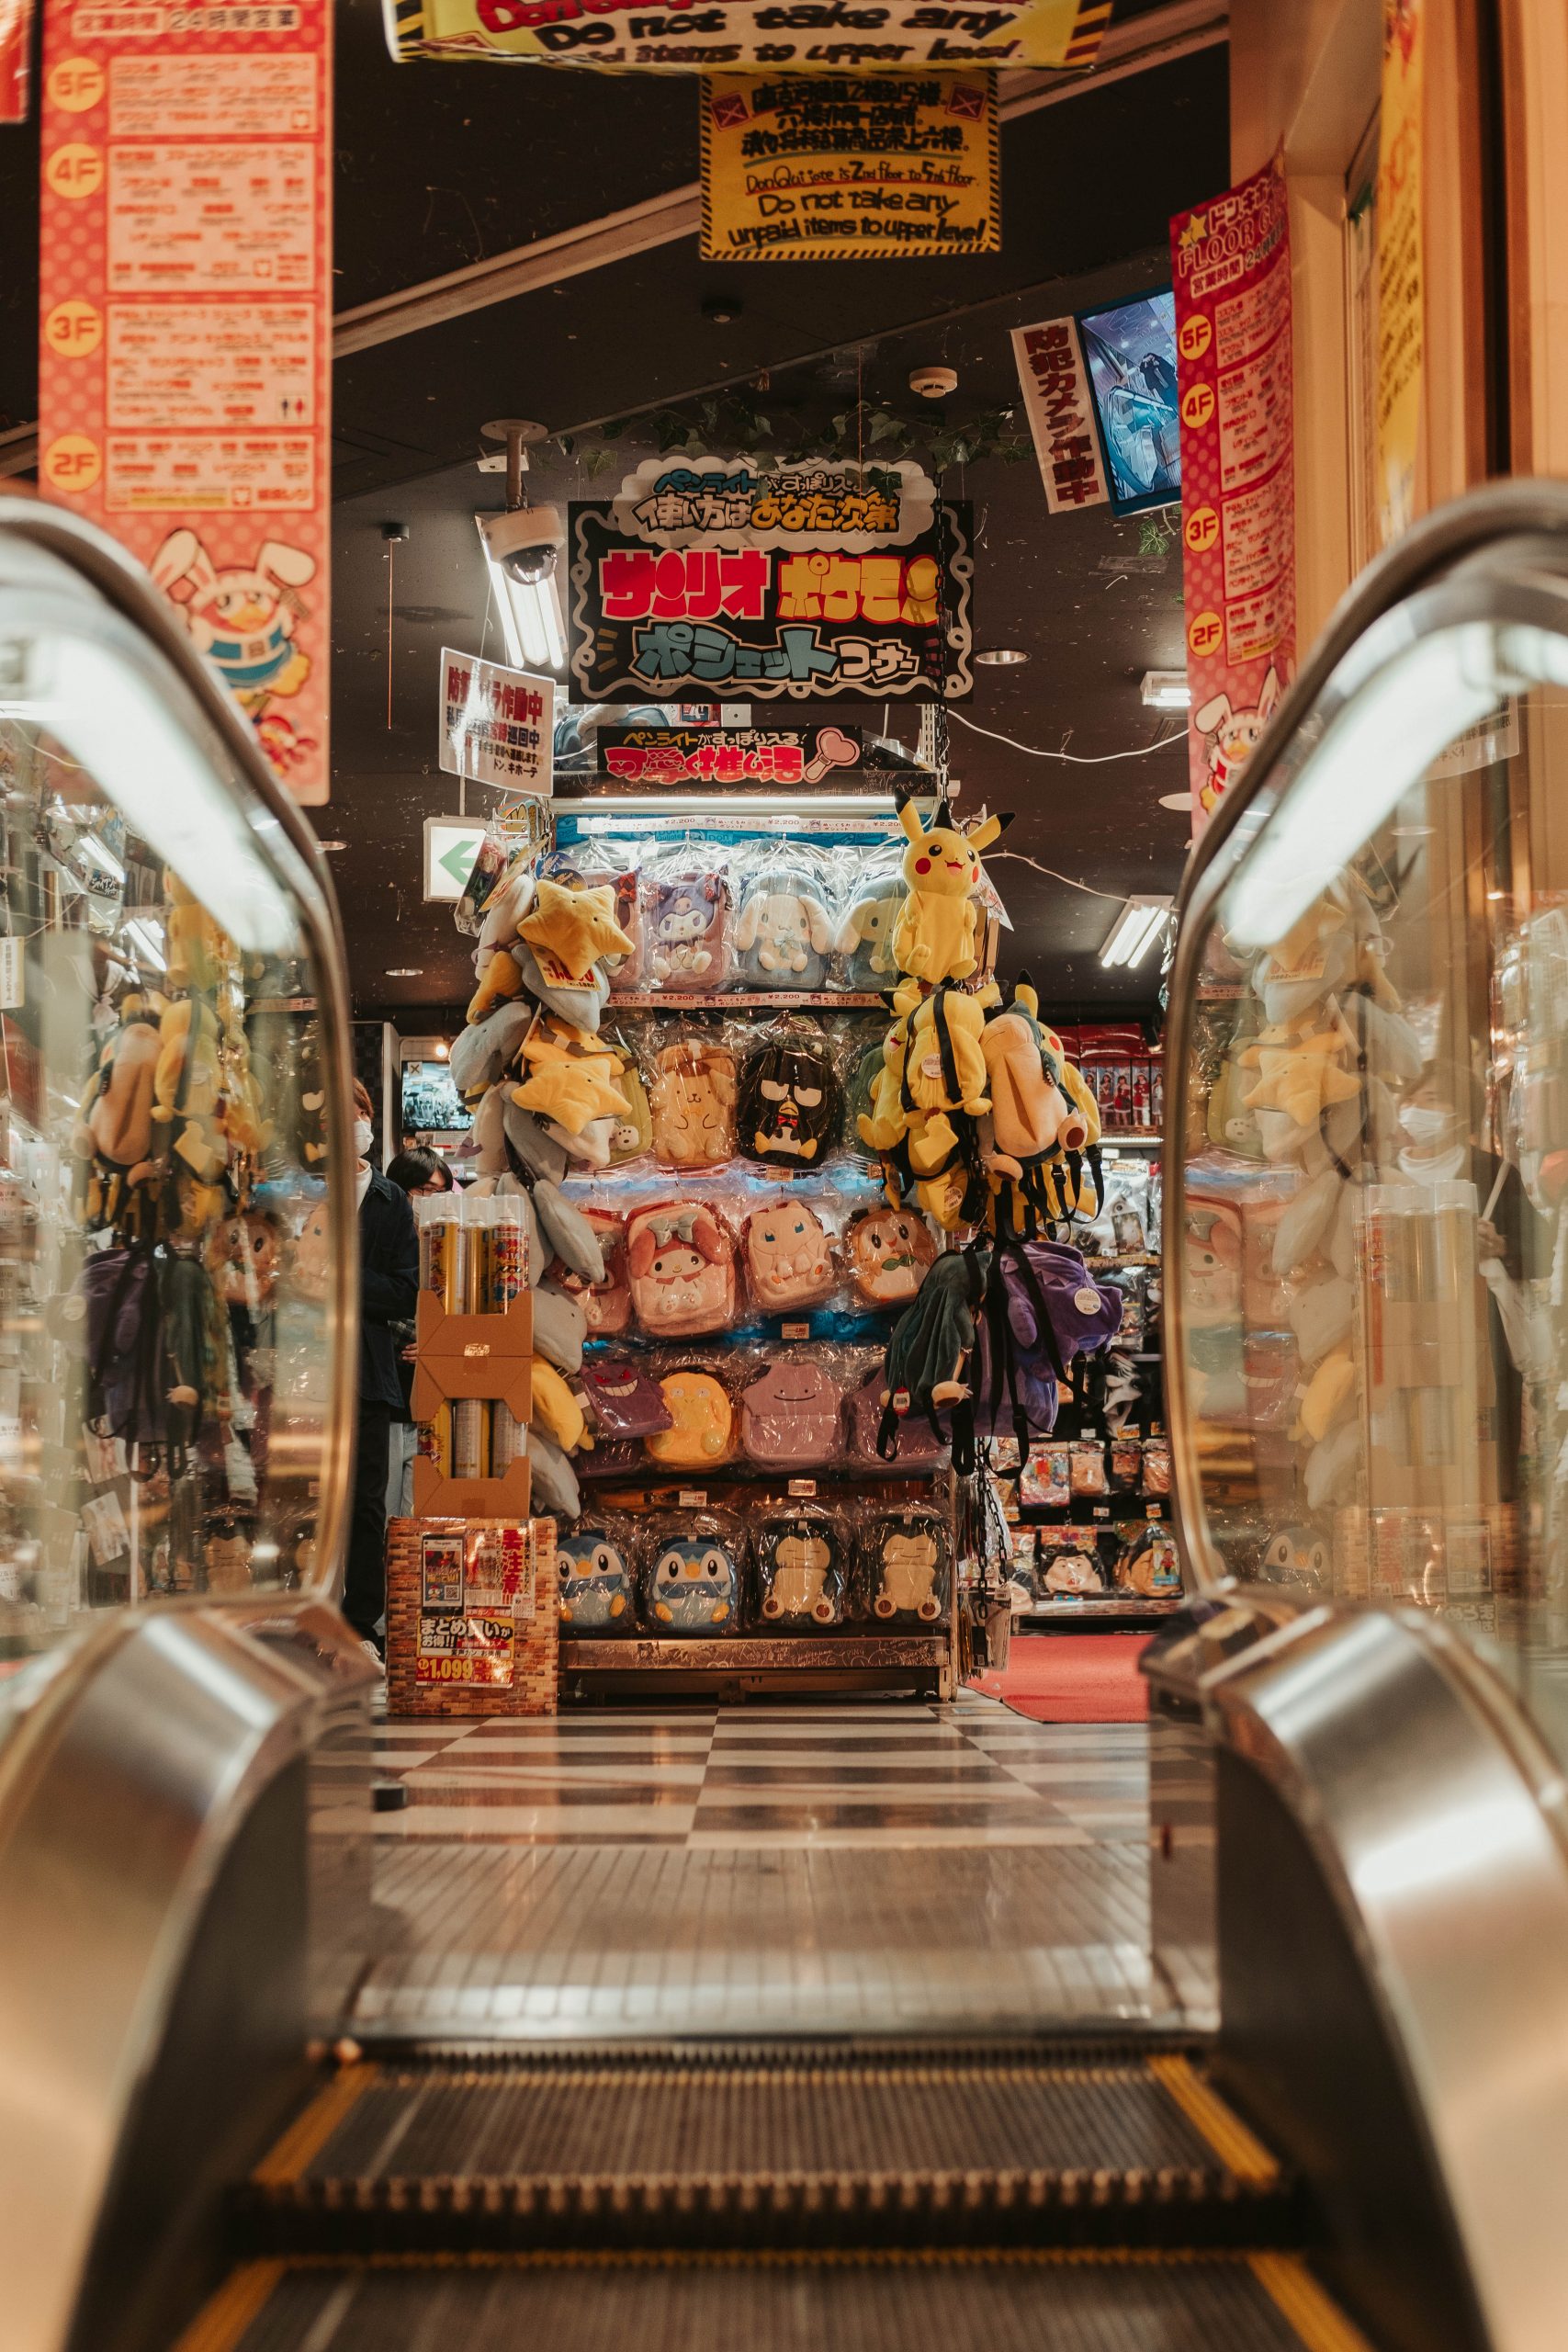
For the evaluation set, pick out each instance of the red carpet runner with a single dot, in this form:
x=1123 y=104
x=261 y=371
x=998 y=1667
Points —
x=1072 y=1679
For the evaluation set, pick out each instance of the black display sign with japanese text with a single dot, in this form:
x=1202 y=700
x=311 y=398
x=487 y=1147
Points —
x=711 y=578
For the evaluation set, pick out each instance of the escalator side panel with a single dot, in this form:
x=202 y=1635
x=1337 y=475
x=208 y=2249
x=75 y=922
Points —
x=1306 y=2051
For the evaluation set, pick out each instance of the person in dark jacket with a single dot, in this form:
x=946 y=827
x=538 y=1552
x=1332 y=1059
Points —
x=388 y=1288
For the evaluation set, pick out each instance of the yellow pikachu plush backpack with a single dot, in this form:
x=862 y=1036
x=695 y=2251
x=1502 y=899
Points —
x=934 y=938
x=1044 y=1120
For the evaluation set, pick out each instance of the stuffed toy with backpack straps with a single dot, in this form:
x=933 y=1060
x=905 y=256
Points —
x=928 y=1356
x=934 y=938
x=1043 y=1119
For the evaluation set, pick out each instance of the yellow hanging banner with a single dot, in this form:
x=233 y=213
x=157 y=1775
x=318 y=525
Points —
x=803 y=36
x=1401 y=323
x=869 y=167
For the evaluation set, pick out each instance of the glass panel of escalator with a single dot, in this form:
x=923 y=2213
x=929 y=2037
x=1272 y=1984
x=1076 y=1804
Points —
x=165 y=1328
x=1375 y=1157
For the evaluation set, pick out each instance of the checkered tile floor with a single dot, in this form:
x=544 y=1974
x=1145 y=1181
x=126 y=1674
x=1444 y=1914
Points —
x=864 y=1868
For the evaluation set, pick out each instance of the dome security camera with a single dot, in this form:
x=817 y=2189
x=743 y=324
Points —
x=933 y=383
x=525 y=542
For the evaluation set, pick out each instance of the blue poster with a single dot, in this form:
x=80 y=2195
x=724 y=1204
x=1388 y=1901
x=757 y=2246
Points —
x=1130 y=351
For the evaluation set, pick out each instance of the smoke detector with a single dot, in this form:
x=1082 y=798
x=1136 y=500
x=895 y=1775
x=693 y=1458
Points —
x=933 y=383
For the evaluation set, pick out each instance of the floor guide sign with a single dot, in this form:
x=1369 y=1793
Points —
x=185 y=346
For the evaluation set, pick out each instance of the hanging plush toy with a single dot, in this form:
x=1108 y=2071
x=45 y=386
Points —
x=790 y=1415
x=784 y=932
x=701 y=1434
x=597 y=1577
x=934 y=938
x=692 y=1103
x=790 y=1100
x=789 y=1258
x=800 y=1563
x=691 y=1584
x=681 y=1261
x=575 y=926
x=887 y=1252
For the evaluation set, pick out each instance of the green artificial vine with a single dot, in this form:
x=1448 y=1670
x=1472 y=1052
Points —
x=739 y=422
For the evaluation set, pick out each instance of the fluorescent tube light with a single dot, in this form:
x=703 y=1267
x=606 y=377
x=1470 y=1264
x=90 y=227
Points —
x=145 y=945
x=1166 y=690
x=1133 y=933
x=1374 y=751
x=530 y=608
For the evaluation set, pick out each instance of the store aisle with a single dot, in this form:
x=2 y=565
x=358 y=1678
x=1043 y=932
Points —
x=869 y=1868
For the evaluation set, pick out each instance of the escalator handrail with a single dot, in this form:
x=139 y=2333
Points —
x=111 y=575
x=1530 y=515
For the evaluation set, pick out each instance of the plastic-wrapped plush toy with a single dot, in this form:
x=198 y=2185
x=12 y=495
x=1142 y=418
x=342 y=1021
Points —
x=919 y=1448
x=785 y=930
x=574 y=924
x=887 y=1252
x=907 y=1570
x=607 y=1303
x=633 y=1134
x=598 y=1577
x=681 y=1265
x=1149 y=1565
x=624 y=1399
x=692 y=1103
x=791 y=1413
x=688 y=946
x=607 y=865
x=865 y=936
x=802 y=1562
x=934 y=938
x=701 y=1433
x=789 y=1257
x=690 y=1582
x=790 y=1100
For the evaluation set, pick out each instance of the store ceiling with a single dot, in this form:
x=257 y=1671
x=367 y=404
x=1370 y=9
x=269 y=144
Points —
x=439 y=166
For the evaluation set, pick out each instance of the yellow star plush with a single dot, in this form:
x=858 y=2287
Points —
x=577 y=926
x=574 y=1093
x=1298 y=1072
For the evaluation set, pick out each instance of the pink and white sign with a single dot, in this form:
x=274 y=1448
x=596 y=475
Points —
x=1231 y=263
x=185 y=349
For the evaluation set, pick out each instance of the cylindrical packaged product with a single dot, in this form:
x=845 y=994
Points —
x=508 y=1438
x=437 y=1216
x=470 y=1438
x=455 y=1269
x=508 y=1256
x=435 y=1440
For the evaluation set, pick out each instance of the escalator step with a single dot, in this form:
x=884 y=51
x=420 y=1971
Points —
x=978 y=2302
x=803 y=2148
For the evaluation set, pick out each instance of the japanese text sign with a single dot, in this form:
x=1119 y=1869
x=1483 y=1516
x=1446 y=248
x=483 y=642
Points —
x=1230 y=260
x=708 y=576
x=497 y=724
x=805 y=35
x=667 y=756
x=830 y=168
x=1055 y=393
x=185 y=355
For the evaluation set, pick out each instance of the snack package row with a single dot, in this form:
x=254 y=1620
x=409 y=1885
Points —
x=795 y=1567
x=1060 y=1473
x=796 y=1408
x=700 y=1093
x=705 y=916
x=682 y=1268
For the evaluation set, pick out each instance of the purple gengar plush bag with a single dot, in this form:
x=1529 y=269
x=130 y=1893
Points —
x=1043 y=1309
x=626 y=1400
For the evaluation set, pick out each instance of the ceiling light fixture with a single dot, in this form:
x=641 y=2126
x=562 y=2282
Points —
x=521 y=547
x=330 y=846
x=1002 y=657
x=1181 y=800
x=1133 y=933
x=1166 y=690
x=405 y=971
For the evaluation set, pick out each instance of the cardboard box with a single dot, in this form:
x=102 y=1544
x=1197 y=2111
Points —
x=488 y=1356
x=507 y=1497
x=473 y=1617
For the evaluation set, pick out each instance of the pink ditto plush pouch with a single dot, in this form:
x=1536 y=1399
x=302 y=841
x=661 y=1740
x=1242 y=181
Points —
x=790 y=1414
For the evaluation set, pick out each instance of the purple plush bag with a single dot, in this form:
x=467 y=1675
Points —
x=627 y=1401
x=1043 y=1309
x=917 y=1449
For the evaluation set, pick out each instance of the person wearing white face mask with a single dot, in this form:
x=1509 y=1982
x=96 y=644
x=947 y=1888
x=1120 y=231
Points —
x=389 y=1292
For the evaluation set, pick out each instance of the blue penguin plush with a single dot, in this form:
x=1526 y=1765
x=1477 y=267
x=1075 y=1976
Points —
x=691 y=1581
x=596 y=1580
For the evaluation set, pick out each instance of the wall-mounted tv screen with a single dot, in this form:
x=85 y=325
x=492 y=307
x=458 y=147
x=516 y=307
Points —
x=1130 y=352
x=431 y=1104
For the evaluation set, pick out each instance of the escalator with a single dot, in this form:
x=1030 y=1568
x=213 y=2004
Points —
x=1358 y=1827
x=1075 y=2195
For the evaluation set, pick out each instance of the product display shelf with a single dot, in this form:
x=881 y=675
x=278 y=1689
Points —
x=922 y=1664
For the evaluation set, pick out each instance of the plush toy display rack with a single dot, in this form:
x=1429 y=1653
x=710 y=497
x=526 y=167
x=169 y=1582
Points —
x=856 y=1655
